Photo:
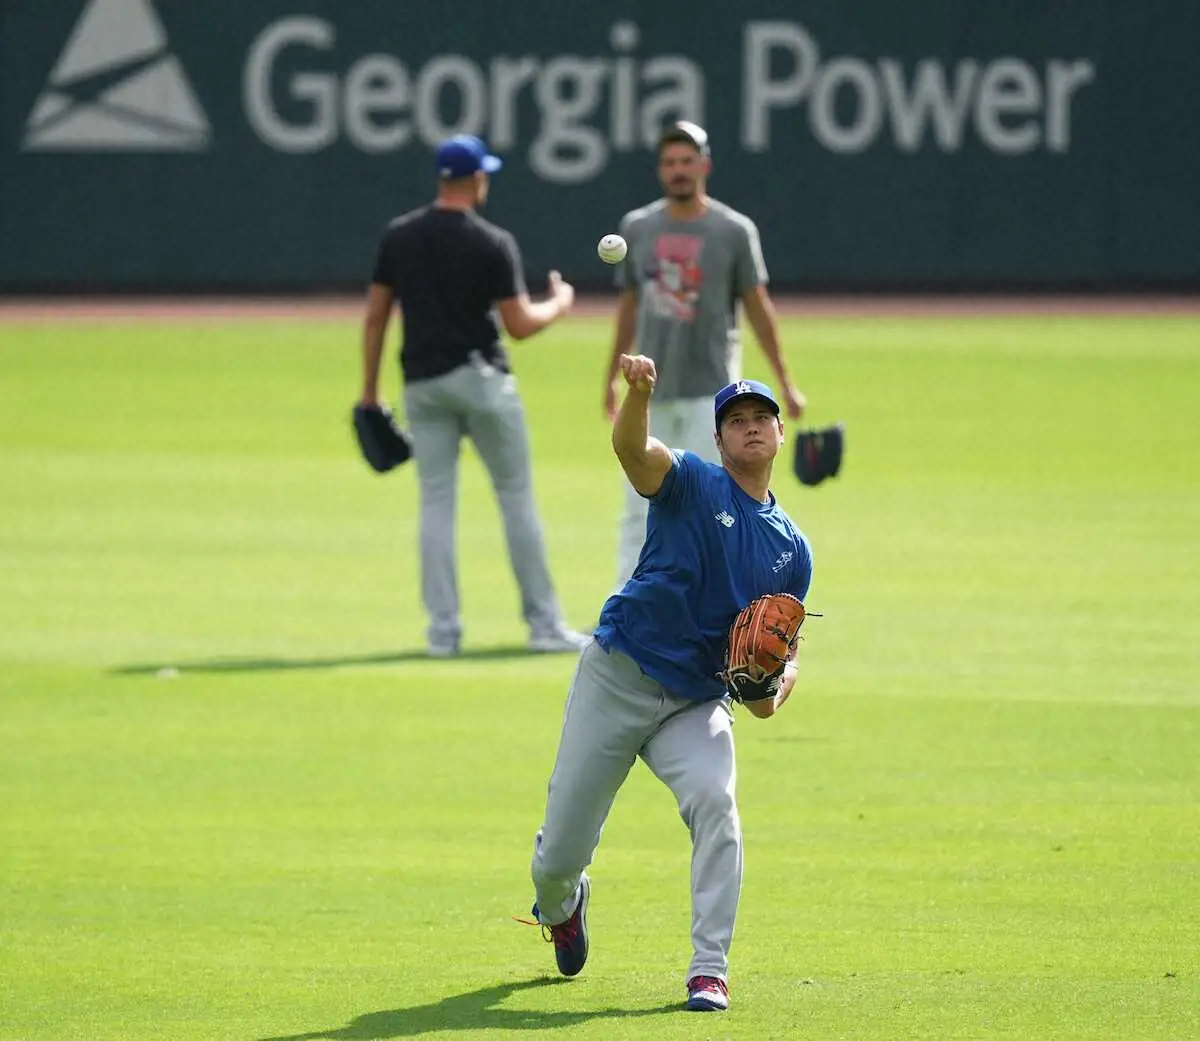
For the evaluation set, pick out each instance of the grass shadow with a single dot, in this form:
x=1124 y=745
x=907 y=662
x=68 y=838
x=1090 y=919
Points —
x=474 y=1010
x=333 y=662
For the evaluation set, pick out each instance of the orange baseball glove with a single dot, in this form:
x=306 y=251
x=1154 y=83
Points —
x=761 y=641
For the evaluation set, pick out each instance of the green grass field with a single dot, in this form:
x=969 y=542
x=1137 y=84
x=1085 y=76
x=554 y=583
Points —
x=980 y=819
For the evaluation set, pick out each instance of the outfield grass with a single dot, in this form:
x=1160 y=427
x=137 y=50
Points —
x=239 y=804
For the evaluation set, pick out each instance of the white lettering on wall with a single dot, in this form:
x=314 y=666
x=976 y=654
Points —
x=848 y=102
x=586 y=108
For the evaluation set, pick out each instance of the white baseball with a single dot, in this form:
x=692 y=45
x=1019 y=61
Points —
x=612 y=249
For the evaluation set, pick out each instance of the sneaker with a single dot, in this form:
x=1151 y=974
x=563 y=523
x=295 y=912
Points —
x=570 y=939
x=558 y=640
x=707 y=994
x=442 y=650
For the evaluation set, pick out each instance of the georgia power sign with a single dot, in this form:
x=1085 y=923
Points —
x=118 y=86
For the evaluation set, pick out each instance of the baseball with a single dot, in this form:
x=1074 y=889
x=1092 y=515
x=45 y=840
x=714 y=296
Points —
x=612 y=249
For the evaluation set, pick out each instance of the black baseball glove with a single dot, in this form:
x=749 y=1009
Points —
x=819 y=453
x=383 y=444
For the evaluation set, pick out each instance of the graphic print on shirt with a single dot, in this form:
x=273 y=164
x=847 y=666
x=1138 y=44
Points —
x=676 y=276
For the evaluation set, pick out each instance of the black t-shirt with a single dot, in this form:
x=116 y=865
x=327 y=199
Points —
x=447 y=269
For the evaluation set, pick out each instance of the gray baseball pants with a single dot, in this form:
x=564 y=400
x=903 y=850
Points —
x=478 y=401
x=615 y=714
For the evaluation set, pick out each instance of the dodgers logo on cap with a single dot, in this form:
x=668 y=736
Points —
x=740 y=390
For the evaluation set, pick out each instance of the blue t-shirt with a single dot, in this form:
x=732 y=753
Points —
x=710 y=549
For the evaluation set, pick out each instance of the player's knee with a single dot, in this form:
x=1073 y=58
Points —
x=514 y=493
x=439 y=485
x=708 y=802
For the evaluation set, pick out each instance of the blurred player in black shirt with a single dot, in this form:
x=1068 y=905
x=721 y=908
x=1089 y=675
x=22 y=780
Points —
x=450 y=271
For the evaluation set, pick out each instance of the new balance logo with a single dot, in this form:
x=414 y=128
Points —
x=724 y=517
x=116 y=88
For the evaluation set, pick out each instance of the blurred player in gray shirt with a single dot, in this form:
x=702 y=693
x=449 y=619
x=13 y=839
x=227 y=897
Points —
x=693 y=263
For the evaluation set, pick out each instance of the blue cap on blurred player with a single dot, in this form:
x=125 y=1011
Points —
x=739 y=391
x=464 y=154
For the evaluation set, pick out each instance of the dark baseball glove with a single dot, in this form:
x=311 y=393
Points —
x=383 y=444
x=761 y=641
x=819 y=453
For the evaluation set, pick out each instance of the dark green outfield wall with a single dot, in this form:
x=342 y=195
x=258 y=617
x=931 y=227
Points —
x=263 y=143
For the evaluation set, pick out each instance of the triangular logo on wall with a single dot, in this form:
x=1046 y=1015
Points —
x=117 y=88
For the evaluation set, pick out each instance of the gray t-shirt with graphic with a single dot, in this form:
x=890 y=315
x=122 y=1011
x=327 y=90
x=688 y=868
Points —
x=689 y=277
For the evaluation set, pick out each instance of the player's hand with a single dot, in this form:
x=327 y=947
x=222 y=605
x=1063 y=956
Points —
x=610 y=401
x=562 y=291
x=795 y=402
x=639 y=372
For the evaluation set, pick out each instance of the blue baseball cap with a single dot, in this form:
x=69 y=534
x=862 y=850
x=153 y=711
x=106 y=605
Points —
x=739 y=391
x=462 y=155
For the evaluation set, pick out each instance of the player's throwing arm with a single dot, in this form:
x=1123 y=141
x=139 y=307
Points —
x=645 y=459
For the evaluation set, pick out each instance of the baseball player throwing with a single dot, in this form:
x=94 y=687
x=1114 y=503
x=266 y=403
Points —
x=694 y=264
x=647 y=685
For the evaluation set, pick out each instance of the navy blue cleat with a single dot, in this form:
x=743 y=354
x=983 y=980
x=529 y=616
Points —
x=570 y=939
x=707 y=994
